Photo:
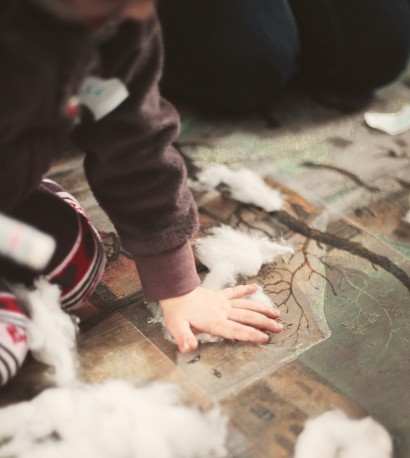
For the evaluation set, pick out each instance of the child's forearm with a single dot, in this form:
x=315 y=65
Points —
x=136 y=174
x=168 y=274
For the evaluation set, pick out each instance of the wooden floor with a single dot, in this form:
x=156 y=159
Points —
x=346 y=342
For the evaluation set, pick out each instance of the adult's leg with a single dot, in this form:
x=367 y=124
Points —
x=232 y=55
x=352 y=46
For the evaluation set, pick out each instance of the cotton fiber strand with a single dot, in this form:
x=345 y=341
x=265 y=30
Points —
x=111 y=420
x=51 y=332
x=334 y=435
x=244 y=186
x=228 y=253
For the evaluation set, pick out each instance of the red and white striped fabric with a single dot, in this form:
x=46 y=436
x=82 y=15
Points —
x=79 y=273
x=13 y=337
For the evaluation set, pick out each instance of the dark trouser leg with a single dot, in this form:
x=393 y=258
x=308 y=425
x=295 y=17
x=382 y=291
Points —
x=352 y=46
x=233 y=55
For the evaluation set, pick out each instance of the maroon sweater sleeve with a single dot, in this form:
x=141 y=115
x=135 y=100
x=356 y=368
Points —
x=135 y=173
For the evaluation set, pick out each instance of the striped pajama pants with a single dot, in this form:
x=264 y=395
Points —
x=76 y=267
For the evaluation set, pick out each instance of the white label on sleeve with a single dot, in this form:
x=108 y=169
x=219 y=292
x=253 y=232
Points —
x=102 y=96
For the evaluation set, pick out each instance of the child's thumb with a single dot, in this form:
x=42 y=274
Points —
x=184 y=337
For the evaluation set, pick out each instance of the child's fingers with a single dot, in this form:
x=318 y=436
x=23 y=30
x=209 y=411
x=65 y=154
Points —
x=256 y=307
x=237 y=331
x=255 y=319
x=183 y=335
x=240 y=291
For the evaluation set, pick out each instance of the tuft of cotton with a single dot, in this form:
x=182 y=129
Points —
x=262 y=298
x=244 y=185
x=51 y=332
x=111 y=420
x=334 y=435
x=228 y=253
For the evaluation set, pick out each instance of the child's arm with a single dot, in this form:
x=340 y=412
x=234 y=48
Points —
x=139 y=179
x=225 y=314
x=134 y=172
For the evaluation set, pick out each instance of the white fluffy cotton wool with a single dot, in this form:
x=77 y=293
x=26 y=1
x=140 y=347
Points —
x=228 y=253
x=111 y=420
x=334 y=435
x=261 y=298
x=51 y=332
x=244 y=185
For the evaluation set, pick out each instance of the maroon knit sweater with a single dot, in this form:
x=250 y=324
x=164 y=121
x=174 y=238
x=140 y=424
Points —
x=133 y=171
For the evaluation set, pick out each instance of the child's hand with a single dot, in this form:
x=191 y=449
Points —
x=221 y=313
